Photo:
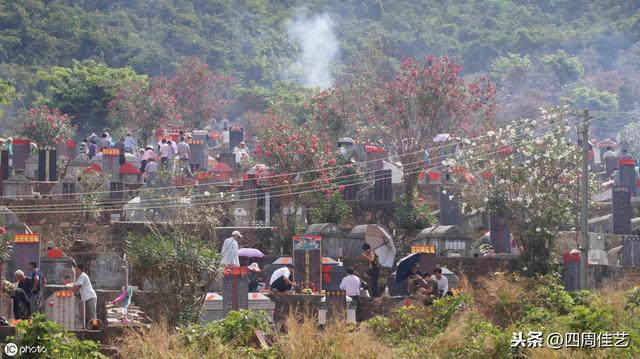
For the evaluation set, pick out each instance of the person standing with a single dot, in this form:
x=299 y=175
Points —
x=122 y=159
x=374 y=268
x=130 y=143
x=148 y=153
x=164 y=152
x=87 y=294
x=225 y=137
x=21 y=305
x=351 y=284
x=442 y=281
x=151 y=172
x=254 y=269
x=184 y=154
x=282 y=279
x=92 y=149
x=82 y=149
x=104 y=142
x=38 y=282
x=230 y=250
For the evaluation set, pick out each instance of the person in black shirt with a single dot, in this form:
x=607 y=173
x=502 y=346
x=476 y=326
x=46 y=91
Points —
x=374 y=268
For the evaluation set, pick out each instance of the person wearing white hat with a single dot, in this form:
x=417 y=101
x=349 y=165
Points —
x=254 y=269
x=230 y=250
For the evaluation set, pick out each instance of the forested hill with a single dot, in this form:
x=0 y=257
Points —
x=249 y=39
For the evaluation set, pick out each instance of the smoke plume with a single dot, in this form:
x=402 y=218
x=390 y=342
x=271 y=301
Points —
x=319 y=48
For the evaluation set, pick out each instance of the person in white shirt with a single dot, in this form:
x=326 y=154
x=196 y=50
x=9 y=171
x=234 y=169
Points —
x=87 y=294
x=164 y=152
x=130 y=143
x=443 y=282
x=282 y=279
x=184 y=154
x=230 y=250
x=225 y=138
x=351 y=284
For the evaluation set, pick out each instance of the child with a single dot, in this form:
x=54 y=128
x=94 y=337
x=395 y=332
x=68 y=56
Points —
x=125 y=297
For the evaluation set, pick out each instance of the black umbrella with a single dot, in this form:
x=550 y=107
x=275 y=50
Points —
x=404 y=266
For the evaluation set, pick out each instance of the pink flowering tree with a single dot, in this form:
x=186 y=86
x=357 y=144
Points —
x=46 y=126
x=200 y=93
x=145 y=106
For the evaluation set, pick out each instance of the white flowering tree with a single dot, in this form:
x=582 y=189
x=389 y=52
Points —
x=629 y=138
x=529 y=175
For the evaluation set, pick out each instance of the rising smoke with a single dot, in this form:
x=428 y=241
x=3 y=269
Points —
x=318 y=50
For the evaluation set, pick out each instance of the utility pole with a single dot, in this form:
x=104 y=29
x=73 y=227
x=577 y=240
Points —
x=584 y=212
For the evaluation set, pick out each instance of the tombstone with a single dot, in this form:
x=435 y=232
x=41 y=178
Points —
x=76 y=166
x=236 y=135
x=47 y=164
x=307 y=261
x=116 y=190
x=67 y=188
x=26 y=248
x=228 y=159
x=449 y=208
x=111 y=161
x=65 y=309
x=500 y=234
x=336 y=302
x=350 y=192
x=199 y=152
x=4 y=165
x=11 y=222
x=17 y=186
x=627 y=173
x=31 y=167
x=235 y=289
x=571 y=273
x=621 y=210
x=382 y=188
x=241 y=216
x=630 y=251
x=250 y=189
x=107 y=271
x=21 y=151
x=130 y=174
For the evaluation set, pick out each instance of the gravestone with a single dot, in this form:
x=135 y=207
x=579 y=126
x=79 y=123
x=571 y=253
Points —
x=67 y=188
x=621 y=210
x=500 y=234
x=31 y=167
x=336 y=302
x=76 y=166
x=198 y=153
x=116 y=190
x=107 y=271
x=17 y=186
x=571 y=273
x=4 y=164
x=111 y=161
x=630 y=251
x=235 y=289
x=228 y=159
x=382 y=188
x=449 y=208
x=307 y=261
x=65 y=309
x=47 y=164
x=26 y=248
x=21 y=151
x=351 y=189
x=627 y=172
x=236 y=135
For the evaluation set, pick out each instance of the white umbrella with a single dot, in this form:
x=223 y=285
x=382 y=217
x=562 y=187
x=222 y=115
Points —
x=381 y=242
x=443 y=137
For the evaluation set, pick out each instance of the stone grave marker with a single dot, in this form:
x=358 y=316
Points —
x=198 y=145
x=26 y=248
x=236 y=135
x=76 y=166
x=500 y=234
x=627 y=172
x=307 y=261
x=17 y=186
x=235 y=289
x=571 y=273
x=382 y=188
x=107 y=271
x=65 y=309
x=47 y=164
x=31 y=167
x=630 y=251
x=228 y=159
x=449 y=207
x=621 y=210
x=111 y=161
x=336 y=301
x=21 y=151
x=116 y=190
x=4 y=164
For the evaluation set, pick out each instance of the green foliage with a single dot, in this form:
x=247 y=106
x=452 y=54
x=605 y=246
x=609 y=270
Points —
x=414 y=215
x=590 y=319
x=7 y=92
x=85 y=89
x=633 y=298
x=510 y=69
x=179 y=270
x=236 y=329
x=592 y=99
x=58 y=342
x=564 y=67
x=330 y=210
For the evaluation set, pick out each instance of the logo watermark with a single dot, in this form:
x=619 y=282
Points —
x=11 y=349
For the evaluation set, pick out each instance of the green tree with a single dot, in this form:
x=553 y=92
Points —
x=563 y=67
x=511 y=70
x=592 y=99
x=84 y=91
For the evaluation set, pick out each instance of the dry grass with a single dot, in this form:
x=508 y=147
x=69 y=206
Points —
x=160 y=342
x=500 y=299
x=306 y=341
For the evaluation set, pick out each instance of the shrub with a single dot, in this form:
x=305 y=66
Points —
x=331 y=209
x=236 y=329
x=413 y=215
x=633 y=298
x=584 y=319
x=58 y=342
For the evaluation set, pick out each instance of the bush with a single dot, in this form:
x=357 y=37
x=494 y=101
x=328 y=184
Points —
x=236 y=329
x=58 y=342
x=413 y=215
x=331 y=209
